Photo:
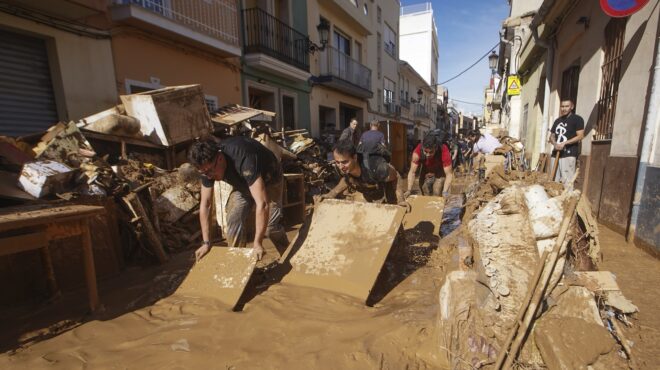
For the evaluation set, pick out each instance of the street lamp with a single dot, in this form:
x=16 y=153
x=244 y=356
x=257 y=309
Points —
x=492 y=61
x=420 y=95
x=324 y=30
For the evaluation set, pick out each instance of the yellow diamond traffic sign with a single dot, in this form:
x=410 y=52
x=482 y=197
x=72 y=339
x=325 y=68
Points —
x=513 y=85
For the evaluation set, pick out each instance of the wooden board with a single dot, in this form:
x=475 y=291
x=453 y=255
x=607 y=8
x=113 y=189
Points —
x=16 y=217
x=222 y=274
x=346 y=246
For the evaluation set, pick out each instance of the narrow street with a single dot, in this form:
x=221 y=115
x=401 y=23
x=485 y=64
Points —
x=329 y=184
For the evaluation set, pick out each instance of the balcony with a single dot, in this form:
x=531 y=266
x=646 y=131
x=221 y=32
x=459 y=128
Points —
x=209 y=24
x=392 y=109
x=343 y=73
x=405 y=103
x=271 y=45
x=420 y=112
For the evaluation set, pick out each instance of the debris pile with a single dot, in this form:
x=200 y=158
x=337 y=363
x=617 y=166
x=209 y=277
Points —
x=524 y=299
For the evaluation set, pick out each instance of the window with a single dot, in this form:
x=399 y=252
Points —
x=365 y=9
x=211 y=103
x=354 y=2
x=569 y=83
x=379 y=14
x=388 y=91
x=390 y=41
x=611 y=70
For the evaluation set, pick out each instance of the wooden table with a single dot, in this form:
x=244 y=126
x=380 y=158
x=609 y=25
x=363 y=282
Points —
x=29 y=228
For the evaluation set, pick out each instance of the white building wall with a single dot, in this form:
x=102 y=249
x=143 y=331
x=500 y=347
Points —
x=416 y=40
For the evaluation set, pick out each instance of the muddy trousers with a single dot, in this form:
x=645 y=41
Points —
x=566 y=169
x=240 y=206
x=432 y=185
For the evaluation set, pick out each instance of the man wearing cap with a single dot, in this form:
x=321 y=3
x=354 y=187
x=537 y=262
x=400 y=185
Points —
x=256 y=177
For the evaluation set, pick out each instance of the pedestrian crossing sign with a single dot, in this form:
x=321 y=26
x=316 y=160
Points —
x=513 y=85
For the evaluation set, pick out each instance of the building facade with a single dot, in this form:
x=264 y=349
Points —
x=419 y=46
x=276 y=60
x=342 y=81
x=609 y=68
x=72 y=58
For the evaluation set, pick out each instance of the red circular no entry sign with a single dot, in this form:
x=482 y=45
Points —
x=621 y=8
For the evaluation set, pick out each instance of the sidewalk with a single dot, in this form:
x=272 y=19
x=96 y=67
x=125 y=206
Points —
x=638 y=276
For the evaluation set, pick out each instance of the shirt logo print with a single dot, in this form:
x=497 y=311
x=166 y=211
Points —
x=560 y=131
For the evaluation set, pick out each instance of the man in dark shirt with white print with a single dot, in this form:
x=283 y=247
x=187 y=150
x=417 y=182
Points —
x=256 y=177
x=565 y=136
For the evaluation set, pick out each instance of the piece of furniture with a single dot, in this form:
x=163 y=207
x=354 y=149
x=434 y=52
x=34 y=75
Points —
x=293 y=202
x=33 y=227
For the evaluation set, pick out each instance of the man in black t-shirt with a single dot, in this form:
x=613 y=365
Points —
x=374 y=178
x=256 y=177
x=565 y=136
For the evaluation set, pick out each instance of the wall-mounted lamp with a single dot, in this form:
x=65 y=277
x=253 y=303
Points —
x=420 y=95
x=324 y=30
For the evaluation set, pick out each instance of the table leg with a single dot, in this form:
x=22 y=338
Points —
x=50 y=271
x=90 y=271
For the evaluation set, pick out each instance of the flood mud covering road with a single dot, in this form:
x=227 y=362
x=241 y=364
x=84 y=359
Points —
x=148 y=324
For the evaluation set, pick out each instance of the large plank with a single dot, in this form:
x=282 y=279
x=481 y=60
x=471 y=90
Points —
x=346 y=247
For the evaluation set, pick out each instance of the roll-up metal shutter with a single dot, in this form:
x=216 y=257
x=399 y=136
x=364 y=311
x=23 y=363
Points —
x=27 y=102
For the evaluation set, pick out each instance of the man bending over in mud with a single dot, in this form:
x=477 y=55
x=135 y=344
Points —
x=254 y=173
x=368 y=174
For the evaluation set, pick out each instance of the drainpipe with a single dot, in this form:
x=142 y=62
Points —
x=649 y=142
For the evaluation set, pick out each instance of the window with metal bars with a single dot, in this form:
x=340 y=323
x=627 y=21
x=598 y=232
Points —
x=611 y=70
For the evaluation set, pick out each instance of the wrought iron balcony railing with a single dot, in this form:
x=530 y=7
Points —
x=420 y=111
x=268 y=35
x=337 y=64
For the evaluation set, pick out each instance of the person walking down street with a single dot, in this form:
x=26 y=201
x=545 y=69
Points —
x=483 y=143
x=366 y=173
x=373 y=136
x=256 y=177
x=565 y=135
x=436 y=173
x=351 y=132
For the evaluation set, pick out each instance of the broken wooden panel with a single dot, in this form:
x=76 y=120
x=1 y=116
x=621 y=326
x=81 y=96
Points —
x=346 y=247
x=174 y=203
x=45 y=177
x=64 y=143
x=222 y=274
x=422 y=224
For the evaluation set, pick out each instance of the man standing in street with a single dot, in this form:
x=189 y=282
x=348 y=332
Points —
x=351 y=132
x=255 y=174
x=436 y=173
x=368 y=174
x=565 y=136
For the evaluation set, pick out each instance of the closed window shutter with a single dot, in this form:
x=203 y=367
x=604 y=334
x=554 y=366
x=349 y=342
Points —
x=27 y=102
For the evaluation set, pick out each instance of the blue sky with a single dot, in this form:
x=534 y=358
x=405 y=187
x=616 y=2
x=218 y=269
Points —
x=467 y=29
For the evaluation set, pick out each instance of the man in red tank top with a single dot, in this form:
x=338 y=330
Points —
x=436 y=168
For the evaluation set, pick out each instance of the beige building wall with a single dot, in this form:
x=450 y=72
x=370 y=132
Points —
x=531 y=95
x=81 y=68
x=355 y=27
x=575 y=43
x=167 y=64
x=389 y=65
